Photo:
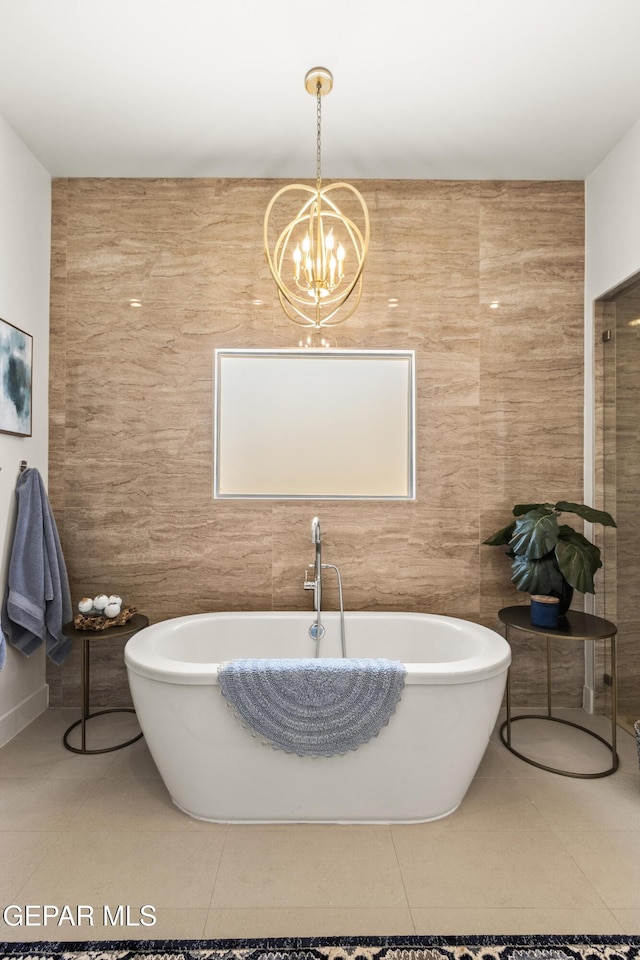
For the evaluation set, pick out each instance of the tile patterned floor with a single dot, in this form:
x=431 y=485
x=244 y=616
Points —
x=526 y=852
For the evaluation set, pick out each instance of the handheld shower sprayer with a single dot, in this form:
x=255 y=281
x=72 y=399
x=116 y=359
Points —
x=316 y=538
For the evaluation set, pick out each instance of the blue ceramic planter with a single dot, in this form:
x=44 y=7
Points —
x=545 y=611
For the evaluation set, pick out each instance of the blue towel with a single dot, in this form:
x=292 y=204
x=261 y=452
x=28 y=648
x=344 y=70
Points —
x=313 y=707
x=37 y=602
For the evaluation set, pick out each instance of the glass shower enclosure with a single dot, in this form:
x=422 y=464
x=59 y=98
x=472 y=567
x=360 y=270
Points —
x=618 y=483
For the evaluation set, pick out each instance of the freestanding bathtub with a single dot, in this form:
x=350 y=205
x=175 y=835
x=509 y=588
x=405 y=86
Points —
x=418 y=768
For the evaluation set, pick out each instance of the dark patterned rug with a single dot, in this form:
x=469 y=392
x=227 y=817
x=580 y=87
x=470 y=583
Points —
x=338 y=948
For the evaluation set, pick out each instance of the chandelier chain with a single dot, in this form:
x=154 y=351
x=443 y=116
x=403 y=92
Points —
x=318 y=122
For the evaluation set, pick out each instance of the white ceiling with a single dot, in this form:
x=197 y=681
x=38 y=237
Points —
x=516 y=89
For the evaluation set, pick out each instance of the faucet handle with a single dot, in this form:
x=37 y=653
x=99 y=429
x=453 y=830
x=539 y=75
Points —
x=309 y=584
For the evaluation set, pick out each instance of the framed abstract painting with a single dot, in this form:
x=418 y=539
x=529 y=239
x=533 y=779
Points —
x=16 y=361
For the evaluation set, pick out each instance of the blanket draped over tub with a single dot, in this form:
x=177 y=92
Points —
x=318 y=707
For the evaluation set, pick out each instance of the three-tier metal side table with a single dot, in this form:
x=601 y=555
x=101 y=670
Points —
x=573 y=626
x=137 y=622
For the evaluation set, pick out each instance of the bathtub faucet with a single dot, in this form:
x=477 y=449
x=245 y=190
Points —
x=317 y=630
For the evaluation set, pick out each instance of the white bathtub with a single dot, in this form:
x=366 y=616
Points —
x=418 y=768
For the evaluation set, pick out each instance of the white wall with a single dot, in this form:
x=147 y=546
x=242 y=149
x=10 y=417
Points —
x=613 y=217
x=25 y=245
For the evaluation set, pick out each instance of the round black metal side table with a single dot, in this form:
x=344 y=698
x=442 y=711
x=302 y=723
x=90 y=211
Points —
x=573 y=626
x=137 y=622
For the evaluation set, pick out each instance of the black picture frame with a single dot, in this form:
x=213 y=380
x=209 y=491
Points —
x=16 y=380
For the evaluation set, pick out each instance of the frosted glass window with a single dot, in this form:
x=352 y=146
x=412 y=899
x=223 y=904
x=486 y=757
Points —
x=314 y=424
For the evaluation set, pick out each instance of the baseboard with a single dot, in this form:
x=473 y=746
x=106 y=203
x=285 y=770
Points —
x=20 y=716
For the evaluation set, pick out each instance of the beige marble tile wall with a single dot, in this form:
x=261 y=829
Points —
x=499 y=406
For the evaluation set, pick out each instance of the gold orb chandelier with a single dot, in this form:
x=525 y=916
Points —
x=313 y=245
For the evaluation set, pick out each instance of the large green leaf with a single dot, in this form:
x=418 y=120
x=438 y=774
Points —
x=535 y=534
x=537 y=576
x=590 y=551
x=521 y=508
x=578 y=559
x=586 y=513
x=502 y=536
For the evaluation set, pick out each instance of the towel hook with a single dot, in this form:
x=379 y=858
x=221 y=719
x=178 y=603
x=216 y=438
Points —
x=23 y=465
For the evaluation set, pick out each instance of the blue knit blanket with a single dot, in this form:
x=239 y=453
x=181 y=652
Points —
x=318 y=707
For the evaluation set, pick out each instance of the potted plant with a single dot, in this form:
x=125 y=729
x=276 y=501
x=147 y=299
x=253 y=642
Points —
x=550 y=558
